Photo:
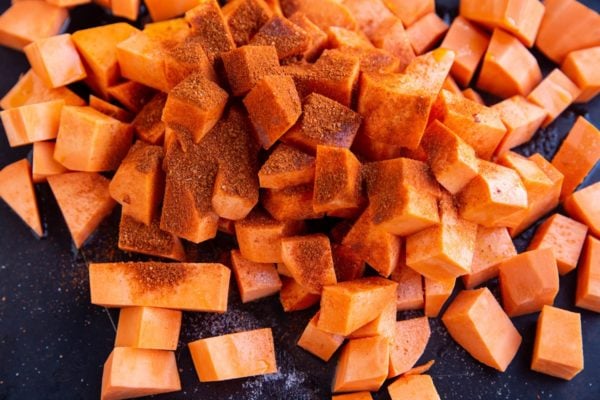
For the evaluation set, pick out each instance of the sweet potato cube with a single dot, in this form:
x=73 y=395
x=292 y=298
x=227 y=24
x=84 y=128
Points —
x=478 y=125
x=247 y=65
x=237 y=355
x=32 y=123
x=384 y=325
x=255 y=280
x=477 y=322
x=323 y=122
x=187 y=58
x=274 y=107
x=137 y=237
x=426 y=32
x=494 y=197
x=353 y=396
x=159 y=10
x=347 y=306
x=289 y=39
x=579 y=67
x=195 y=105
x=436 y=295
x=98 y=50
x=110 y=109
x=522 y=120
x=309 y=260
x=565 y=237
x=528 y=282
x=413 y=387
x=452 y=160
x=148 y=328
x=43 y=164
x=337 y=179
x=410 y=11
x=84 y=201
x=91 y=141
x=16 y=189
x=588 y=295
x=554 y=94
x=347 y=264
x=492 y=246
x=329 y=13
x=508 y=67
x=318 y=342
x=409 y=295
x=129 y=9
x=55 y=60
x=379 y=248
x=209 y=25
x=25 y=22
x=245 y=18
x=558 y=348
x=131 y=94
x=130 y=372
x=445 y=251
x=286 y=167
x=148 y=125
x=363 y=365
x=408 y=97
x=291 y=203
x=410 y=339
x=469 y=43
x=294 y=297
x=578 y=154
x=317 y=39
x=369 y=14
x=391 y=36
x=581 y=205
x=473 y=95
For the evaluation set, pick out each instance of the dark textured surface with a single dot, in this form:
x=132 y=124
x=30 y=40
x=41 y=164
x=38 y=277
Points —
x=53 y=342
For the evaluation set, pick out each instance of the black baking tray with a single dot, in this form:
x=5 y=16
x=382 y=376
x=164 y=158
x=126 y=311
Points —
x=53 y=342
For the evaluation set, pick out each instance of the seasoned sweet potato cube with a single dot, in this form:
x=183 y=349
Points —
x=233 y=356
x=335 y=75
x=91 y=141
x=494 y=197
x=408 y=97
x=32 y=123
x=410 y=286
x=347 y=264
x=445 y=251
x=130 y=372
x=318 y=342
x=294 y=297
x=254 y=280
x=329 y=13
x=16 y=189
x=309 y=261
x=259 y=236
x=286 y=167
x=148 y=328
x=187 y=58
x=363 y=365
x=26 y=22
x=129 y=9
x=137 y=237
x=579 y=67
x=98 y=49
x=426 y=32
x=169 y=32
x=247 y=65
x=413 y=387
x=160 y=10
x=410 y=339
x=323 y=122
x=581 y=205
x=384 y=325
x=245 y=18
x=148 y=125
x=410 y=11
x=195 y=105
x=110 y=109
x=391 y=36
x=43 y=162
x=554 y=94
x=337 y=179
x=317 y=39
x=478 y=125
x=565 y=237
x=131 y=94
x=274 y=107
x=289 y=39
x=209 y=26
x=347 y=306
x=369 y=14
x=492 y=246
x=84 y=201
x=452 y=160
x=588 y=295
x=290 y=203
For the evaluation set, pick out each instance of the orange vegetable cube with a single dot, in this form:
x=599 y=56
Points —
x=384 y=325
x=291 y=203
x=318 y=342
x=581 y=205
x=245 y=18
x=410 y=11
x=160 y=10
x=289 y=39
x=286 y=167
x=565 y=237
x=43 y=162
x=578 y=154
x=255 y=280
x=413 y=387
x=32 y=123
x=131 y=94
x=186 y=58
x=409 y=342
x=329 y=13
x=148 y=328
x=126 y=8
x=110 y=109
x=130 y=372
x=391 y=36
x=247 y=65
x=148 y=125
x=554 y=94
x=317 y=39
x=209 y=26
x=588 y=295
x=370 y=14
x=477 y=322
x=410 y=294
x=237 y=355
x=347 y=264
x=353 y=396
x=294 y=297
x=558 y=348
x=137 y=237
x=16 y=189
x=436 y=295
x=426 y=32
x=579 y=67
x=472 y=95
x=84 y=201
x=363 y=365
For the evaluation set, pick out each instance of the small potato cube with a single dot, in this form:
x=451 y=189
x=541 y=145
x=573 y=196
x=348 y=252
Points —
x=247 y=65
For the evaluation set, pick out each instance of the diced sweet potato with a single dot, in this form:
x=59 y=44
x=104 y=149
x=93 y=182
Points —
x=410 y=339
x=384 y=325
x=131 y=94
x=291 y=203
x=137 y=237
x=451 y=86
x=588 y=295
x=413 y=387
x=294 y=297
x=32 y=123
x=578 y=154
x=247 y=65
x=353 y=396
x=565 y=237
x=579 y=67
x=160 y=10
x=129 y=9
x=426 y=32
x=391 y=36
x=43 y=162
x=187 y=58
x=347 y=306
x=558 y=348
x=237 y=355
x=274 y=107
x=287 y=167
x=478 y=323
x=148 y=125
x=318 y=342
x=369 y=14
x=363 y=365
x=191 y=287
x=209 y=25
x=347 y=264
x=110 y=109
x=329 y=13
x=436 y=295
x=289 y=39
x=91 y=141
x=409 y=11
x=472 y=95
x=245 y=18
x=581 y=205
x=84 y=201
x=130 y=372
x=492 y=246
x=409 y=295
x=16 y=189
x=317 y=38
x=255 y=280
x=148 y=328
x=554 y=94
